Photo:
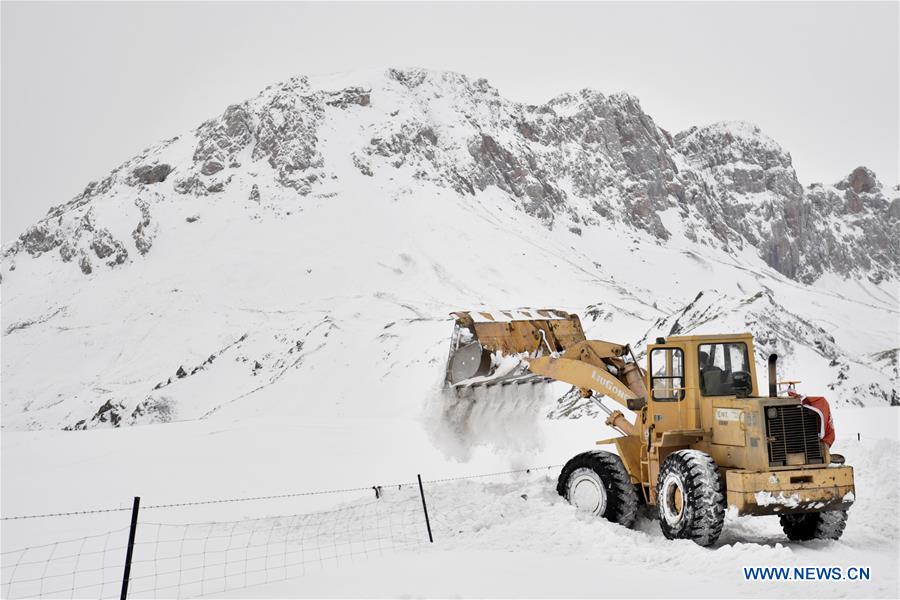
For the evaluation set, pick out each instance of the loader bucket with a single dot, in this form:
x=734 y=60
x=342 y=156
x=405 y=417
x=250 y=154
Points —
x=493 y=347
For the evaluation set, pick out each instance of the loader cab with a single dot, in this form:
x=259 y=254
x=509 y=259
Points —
x=683 y=371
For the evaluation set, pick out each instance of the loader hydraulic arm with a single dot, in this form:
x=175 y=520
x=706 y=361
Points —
x=532 y=346
x=596 y=366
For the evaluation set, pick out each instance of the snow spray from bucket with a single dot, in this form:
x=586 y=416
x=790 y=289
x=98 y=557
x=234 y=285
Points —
x=489 y=395
x=506 y=418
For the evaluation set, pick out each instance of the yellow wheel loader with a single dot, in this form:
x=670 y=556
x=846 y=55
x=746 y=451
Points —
x=703 y=437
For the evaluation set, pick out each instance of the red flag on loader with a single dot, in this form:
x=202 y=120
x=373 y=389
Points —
x=820 y=405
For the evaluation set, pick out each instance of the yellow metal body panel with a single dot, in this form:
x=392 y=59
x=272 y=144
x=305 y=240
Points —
x=629 y=448
x=743 y=445
x=791 y=491
x=684 y=438
x=526 y=330
x=729 y=427
x=594 y=351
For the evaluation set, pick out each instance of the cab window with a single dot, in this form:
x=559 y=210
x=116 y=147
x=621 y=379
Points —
x=724 y=368
x=667 y=374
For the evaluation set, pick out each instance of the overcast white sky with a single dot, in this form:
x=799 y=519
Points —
x=86 y=86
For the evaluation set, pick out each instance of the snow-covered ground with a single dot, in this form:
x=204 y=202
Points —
x=499 y=536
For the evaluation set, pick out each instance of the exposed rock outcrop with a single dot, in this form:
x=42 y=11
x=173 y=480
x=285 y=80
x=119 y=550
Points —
x=150 y=174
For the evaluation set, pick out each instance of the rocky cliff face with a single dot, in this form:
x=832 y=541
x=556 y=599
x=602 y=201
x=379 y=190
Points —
x=578 y=158
x=803 y=233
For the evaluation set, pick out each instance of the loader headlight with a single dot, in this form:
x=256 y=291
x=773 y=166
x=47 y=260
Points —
x=772 y=412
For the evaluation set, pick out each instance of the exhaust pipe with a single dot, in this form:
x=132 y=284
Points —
x=773 y=383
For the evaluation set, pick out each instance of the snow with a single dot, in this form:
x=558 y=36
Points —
x=510 y=315
x=741 y=130
x=766 y=498
x=483 y=527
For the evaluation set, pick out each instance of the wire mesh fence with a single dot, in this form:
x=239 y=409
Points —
x=198 y=559
x=181 y=560
x=90 y=566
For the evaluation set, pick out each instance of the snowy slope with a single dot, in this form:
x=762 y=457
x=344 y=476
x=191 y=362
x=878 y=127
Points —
x=299 y=254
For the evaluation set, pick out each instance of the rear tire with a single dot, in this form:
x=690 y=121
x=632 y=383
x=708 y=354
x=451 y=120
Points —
x=690 y=497
x=828 y=525
x=597 y=483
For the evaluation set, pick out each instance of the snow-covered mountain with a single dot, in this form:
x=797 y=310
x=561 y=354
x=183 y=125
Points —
x=299 y=253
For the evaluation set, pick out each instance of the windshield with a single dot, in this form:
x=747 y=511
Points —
x=718 y=365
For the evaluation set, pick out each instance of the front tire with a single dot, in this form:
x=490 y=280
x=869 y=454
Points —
x=690 y=497
x=803 y=527
x=597 y=483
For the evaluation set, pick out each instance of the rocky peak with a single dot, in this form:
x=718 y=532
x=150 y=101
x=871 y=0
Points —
x=862 y=191
x=861 y=181
x=581 y=157
x=741 y=157
x=755 y=188
x=730 y=142
x=452 y=81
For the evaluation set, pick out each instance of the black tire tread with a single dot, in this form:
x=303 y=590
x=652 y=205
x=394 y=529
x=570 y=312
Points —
x=621 y=494
x=707 y=506
x=827 y=525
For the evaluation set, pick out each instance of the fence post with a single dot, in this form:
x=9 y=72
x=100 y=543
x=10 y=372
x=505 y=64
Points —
x=130 y=552
x=425 y=509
